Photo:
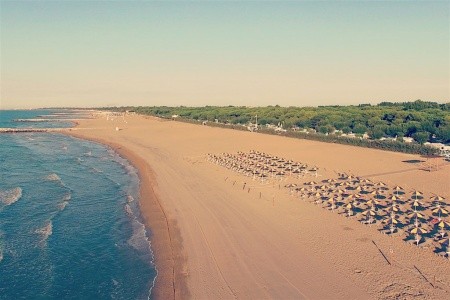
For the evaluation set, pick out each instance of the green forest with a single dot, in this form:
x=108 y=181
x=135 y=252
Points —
x=421 y=120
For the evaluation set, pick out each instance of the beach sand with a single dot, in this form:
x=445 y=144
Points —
x=214 y=240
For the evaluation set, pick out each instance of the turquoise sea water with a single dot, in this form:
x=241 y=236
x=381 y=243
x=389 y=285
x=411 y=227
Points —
x=70 y=225
x=8 y=117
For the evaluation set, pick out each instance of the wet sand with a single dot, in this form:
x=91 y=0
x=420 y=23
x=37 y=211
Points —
x=214 y=240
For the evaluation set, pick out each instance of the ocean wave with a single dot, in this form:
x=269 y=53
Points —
x=139 y=240
x=130 y=199
x=67 y=197
x=11 y=196
x=65 y=200
x=45 y=231
x=95 y=170
x=128 y=210
x=1 y=246
x=56 y=178
x=53 y=177
x=62 y=205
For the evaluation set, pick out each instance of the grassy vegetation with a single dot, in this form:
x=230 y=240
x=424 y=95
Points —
x=420 y=120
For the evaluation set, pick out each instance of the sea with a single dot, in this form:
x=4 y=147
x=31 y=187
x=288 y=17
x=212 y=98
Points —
x=70 y=224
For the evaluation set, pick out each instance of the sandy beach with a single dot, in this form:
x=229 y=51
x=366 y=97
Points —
x=213 y=239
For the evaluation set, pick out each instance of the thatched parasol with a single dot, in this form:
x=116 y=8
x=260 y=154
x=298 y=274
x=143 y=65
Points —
x=439 y=210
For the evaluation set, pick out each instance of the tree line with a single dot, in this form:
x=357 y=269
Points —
x=421 y=120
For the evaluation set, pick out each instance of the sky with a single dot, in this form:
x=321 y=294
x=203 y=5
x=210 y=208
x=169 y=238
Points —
x=195 y=53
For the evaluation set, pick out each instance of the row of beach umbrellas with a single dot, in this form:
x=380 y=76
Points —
x=393 y=209
x=262 y=166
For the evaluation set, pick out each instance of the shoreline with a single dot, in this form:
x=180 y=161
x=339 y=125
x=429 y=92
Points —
x=162 y=232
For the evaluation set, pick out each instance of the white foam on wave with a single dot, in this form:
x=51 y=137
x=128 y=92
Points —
x=65 y=200
x=95 y=170
x=128 y=210
x=67 y=197
x=130 y=198
x=62 y=205
x=142 y=244
x=1 y=246
x=10 y=196
x=45 y=231
x=53 y=177
x=139 y=240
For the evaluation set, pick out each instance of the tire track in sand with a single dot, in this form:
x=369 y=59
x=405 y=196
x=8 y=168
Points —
x=214 y=258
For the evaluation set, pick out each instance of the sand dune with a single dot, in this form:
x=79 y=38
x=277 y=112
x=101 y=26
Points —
x=215 y=240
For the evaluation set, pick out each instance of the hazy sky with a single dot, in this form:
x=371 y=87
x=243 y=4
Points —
x=95 y=53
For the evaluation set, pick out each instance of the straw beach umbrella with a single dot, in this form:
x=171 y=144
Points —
x=393 y=208
x=377 y=194
x=289 y=169
x=350 y=208
x=439 y=210
x=291 y=186
x=340 y=191
x=317 y=194
x=332 y=203
x=418 y=232
x=359 y=188
x=370 y=215
x=442 y=225
x=416 y=216
x=372 y=203
x=367 y=181
x=324 y=187
x=437 y=199
x=417 y=204
x=262 y=177
x=381 y=185
x=394 y=198
x=417 y=195
x=392 y=222
x=297 y=172
x=397 y=189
